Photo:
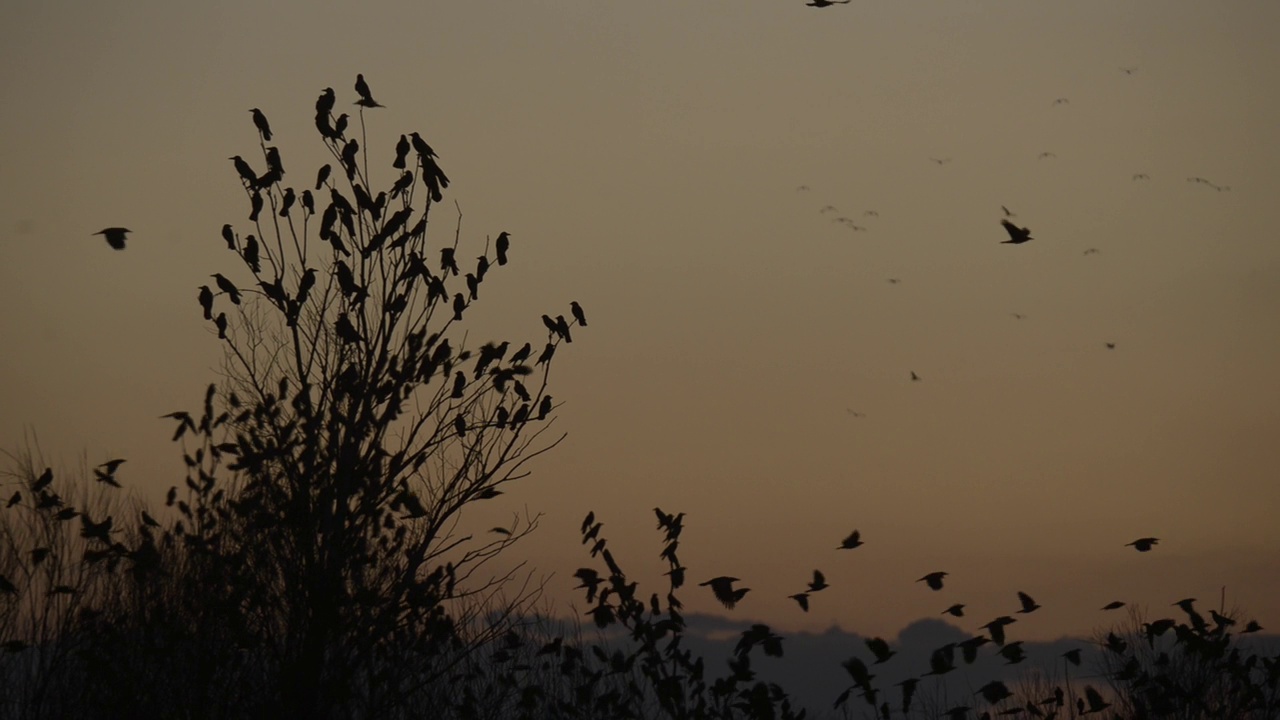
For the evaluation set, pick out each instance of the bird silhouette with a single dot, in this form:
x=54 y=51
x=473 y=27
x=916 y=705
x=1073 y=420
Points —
x=908 y=690
x=324 y=103
x=522 y=354
x=1094 y=698
x=115 y=236
x=826 y=3
x=1062 y=101
x=459 y=304
x=914 y=376
x=724 y=591
x=503 y=243
x=1007 y=212
x=14 y=499
x=940 y=161
x=802 y=599
x=206 y=301
x=148 y=520
x=402 y=151
x=1017 y=235
x=994 y=692
x=1111 y=346
x=1113 y=605
x=852 y=541
x=221 y=323
x=227 y=287
x=1028 y=605
x=1046 y=156
x=880 y=649
x=260 y=121
x=1073 y=656
x=818 y=583
x=322 y=175
x=1092 y=251
x=996 y=628
x=1143 y=544
x=366 y=97
x=956 y=610
x=1141 y=176
x=933 y=580
x=576 y=309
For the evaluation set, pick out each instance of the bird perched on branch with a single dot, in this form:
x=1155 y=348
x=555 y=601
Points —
x=366 y=97
x=115 y=236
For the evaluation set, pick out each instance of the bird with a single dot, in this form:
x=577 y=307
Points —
x=503 y=243
x=544 y=407
x=802 y=599
x=325 y=102
x=1007 y=212
x=148 y=520
x=1046 y=155
x=402 y=151
x=221 y=323
x=366 y=97
x=246 y=173
x=1113 y=605
x=852 y=541
x=15 y=499
x=1143 y=544
x=994 y=692
x=826 y=3
x=227 y=287
x=933 y=580
x=206 y=301
x=940 y=161
x=522 y=354
x=1128 y=70
x=1073 y=656
x=459 y=304
x=724 y=591
x=1141 y=176
x=908 y=689
x=230 y=236
x=110 y=466
x=1092 y=251
x=1018 y=316
x=322 y=175
x=956 y=610
x=996 y=628
x=880 y=649
x=1061 y=101
x=578 y=316
x=819 y=582
x=1094 y=698
x=115 y=236
x=914 y=376
x=1028 y=605
x=1017 y=235
x=1111 y=346
x=260 y=121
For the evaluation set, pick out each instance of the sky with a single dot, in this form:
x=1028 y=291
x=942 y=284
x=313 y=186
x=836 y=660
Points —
x=670 y=165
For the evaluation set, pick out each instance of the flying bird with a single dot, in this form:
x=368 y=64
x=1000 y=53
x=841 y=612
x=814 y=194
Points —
x=1045 y=155
x=1141 y=176
x=115 y=236
x=826 y=3
x=851 y=542
x=914 y=376
x=941 y=161
x=1028 y=605
x=206 y=301
x=802 y=599
x=1113 y=605
x=1143 y=544
x=880 y=649
x=1061 y=101
x=1017 y=235
x=1007 y=212
x=1111 y=346
x=819 y=582
x=956 y=610
x=724 y=591
x=933 y=580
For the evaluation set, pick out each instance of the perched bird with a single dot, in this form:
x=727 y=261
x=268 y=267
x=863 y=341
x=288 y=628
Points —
x=322 y=175
x=994 y=692
x=1028 y=605
x=227 y=287
x=246 y=173
x=933 y=580
x=522 y=354
x=347 y=332
x=956 y=610
x=324 y=103
x=366 y=97
x=221 y=323
x=1007 y=213
x=1017 y=235
x=724 y=591
x=503 y=243
x=1111 y=346
x=819 y=582
x=206 y=301
x=459 y=304
x=854 y=540
x=260 y=121
x=1061 y=101
x=148 y=520
x=1073 y=656
x=229 y=235
x=402 y=151
x=115 y=236
x=1143 y=544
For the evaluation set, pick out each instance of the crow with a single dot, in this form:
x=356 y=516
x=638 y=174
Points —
x=819 y=582
x=1061 y=101
x=1096 y=703
x=250 y=254
x=1028 y=605
x=260 y=121
x=459 y=304
x=1114 y=605
x=402 y=151
x=933 y=580
x=544 y=407
x=996 y=628
x=914 y=376
x=323 y=175
x=956 y=610
x=366 y=98
x=227 y=287
x=880 y=649
x=115 y=236
x=1143 y=544
x=994 y=692
x=724 y=591
x=802 y=599
x=221 y=322
x=503 y=243
x=1073 y=656
x=206 y=301
x=148 y=520
x=1017 y=235
x=1111 y=346
x=522 y=354
x=346 y=331
x=576 y=309
x=447 y=261
x=826 y=3
x=854 y=540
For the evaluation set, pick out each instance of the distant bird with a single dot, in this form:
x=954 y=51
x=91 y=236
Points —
x=246 y=173
x=227 y=287
x=908 y=690
x=1061 y=101
x=115 y=236
x=802 y=599
x=206 y=301
x=1007 y=212
x=1092 y=251
x=402 y=151
x=366 y=97
x=503 y=243
x=802 y=188
x=941 y=161
x=854 y=413
x=894 y=281
x=1113 y=605
x=819 y=582
x=148 y=520
x=1143 y=544
x=1018 y=316
x=260 y=121
x=914 y=376
x=577 y=313
x=1141 y=176
x=829 y=208
x=1111 y=346
x=994 y=692
x=522 y=354
x=1073 y=656
x=1094 y=698
x=1128 y=70
x=1017 y=235
x=996 y=628
x=1045 y=156
x=826 y=3
x=933 y=580
x=1028 y=605
x=956 y=610
x=854 y=540
x=724 y=591
x=880 y=649
x=870 y=213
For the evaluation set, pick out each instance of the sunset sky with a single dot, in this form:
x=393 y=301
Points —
x=748 y=361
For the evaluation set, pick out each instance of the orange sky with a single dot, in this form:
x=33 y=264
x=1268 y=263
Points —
x=645 y=158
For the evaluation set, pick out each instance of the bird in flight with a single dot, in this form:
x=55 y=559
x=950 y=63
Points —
x=1128 y=70
x=115 y=236
x=1143 y=544
x=941 y=161
x=1028 y=605
x=1017 y=235
x=826 y=3
x=933 y=580
x=851 y=542
x=1062 y=101
x=723 y=588
x=1141 y=176
x=802 y=599
x=1045 y=155
x=914 y=376
x=1019 y=316
x=1008 y=212
x=1092 y=251
x=854 y=413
